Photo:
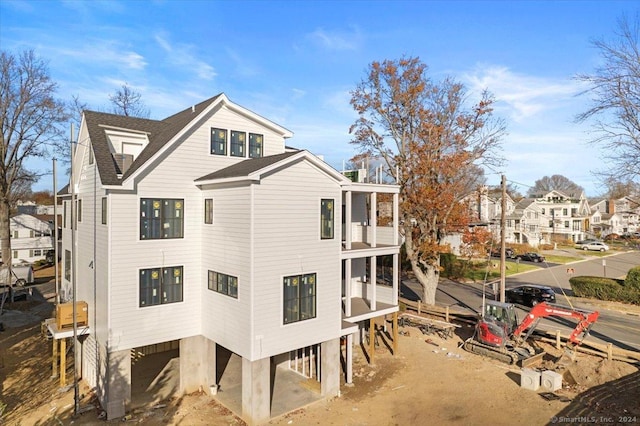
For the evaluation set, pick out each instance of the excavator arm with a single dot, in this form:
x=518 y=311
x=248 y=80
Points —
x=543 y=310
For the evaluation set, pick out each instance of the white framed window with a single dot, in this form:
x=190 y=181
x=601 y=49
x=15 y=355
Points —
x=161 y=218
x=326 y=219
x=208 y=211
x=238 y=143
x=256 y=145
x=218 y=141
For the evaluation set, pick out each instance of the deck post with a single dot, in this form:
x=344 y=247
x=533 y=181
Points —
x=372 y=335
x=395 y=333
x=63 y=362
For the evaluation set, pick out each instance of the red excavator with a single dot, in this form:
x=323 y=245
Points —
x=499 y=336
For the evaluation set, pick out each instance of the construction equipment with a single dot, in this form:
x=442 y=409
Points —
x=498 y=334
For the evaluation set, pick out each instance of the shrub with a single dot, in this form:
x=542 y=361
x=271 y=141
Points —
x=633 y=279
x=448 y=263
x=605 y=289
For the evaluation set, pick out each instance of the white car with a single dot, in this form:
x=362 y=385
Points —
x=595 y=246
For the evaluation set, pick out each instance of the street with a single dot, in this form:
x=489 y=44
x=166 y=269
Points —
x=622 y=329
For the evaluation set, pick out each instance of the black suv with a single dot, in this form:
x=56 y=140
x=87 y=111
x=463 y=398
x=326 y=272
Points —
x=530 y=295
x=531 y=257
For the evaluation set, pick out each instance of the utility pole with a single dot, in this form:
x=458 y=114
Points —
x=503 y=263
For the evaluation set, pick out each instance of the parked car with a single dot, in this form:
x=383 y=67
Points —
x=531 y=257
x=530 y=295
x=581 y=242
x=595 y=246
x=508 y=252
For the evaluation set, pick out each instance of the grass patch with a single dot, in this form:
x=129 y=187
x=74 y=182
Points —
x=552 y=258
x=477 y=271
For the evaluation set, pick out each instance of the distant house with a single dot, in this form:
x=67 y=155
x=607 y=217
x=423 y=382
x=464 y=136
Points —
x=204 y=232
x=617 y=216
x=31 y=237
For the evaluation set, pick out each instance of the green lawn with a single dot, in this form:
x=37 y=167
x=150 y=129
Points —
x=477 y=272
x=561 y=259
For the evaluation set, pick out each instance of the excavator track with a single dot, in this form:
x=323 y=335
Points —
x=476 y=347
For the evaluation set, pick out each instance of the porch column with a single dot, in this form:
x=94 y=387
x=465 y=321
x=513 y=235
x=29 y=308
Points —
x=347 y=220
x=395 y=279
x=395 y=220
x=347 y=287
x=373 y=279
x=349 y=360
x=373 y=224
x=118 y=393
x=256 y=390
x=330 y=368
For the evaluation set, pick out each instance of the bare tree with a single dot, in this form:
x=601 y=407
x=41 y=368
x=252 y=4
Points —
x=127 y=101
x=31 y=118
x=431 y=144
x=617 y=188
x=556 y=182
x=615 y=103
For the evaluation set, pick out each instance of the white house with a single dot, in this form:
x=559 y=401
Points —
x=31 y=237
x=618 y=216
x=565 y=216
x=203 y=231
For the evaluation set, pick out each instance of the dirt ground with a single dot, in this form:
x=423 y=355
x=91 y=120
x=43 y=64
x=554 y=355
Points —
x=430 y=381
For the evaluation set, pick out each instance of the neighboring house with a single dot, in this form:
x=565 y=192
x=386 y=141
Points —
x=524 y=223
x=29 y=207
x=565 y=216
x=617 y=216
x=203 y=231
x=31 y=237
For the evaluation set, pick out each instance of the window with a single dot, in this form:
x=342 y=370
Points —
x=64 y=214
x=67 y=265
x=326 y=219
x=37 y=252
x=15 y=254
x=78 y=217
x=299 y=298
x=255 y=145
x=542 y=211
x=104 y=210
x=564 y=212
x=90 y=155
x=223 y=283
x=566 y=223
x=160 y=285
x=218 y=141
x=237 y=143
x=15 y=234
x=161 y=218
x=208 y=211
x=32 y=234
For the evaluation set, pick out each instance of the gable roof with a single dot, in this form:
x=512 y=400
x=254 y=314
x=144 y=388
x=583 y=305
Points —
x=253 y=168
x=160 y=134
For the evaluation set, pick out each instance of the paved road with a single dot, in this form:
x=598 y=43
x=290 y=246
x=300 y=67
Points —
x=621 y=329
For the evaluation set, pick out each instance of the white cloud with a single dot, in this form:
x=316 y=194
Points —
x=105 y=51
x=336 y=40
x=522 y=96
x=181 y=55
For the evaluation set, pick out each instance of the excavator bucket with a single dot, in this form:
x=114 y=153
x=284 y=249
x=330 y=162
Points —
x=532 y=360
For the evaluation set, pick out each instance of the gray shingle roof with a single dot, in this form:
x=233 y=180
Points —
x=246 y=167
x=159 y=133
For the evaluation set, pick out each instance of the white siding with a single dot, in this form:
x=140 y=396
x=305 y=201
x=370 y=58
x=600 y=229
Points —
x=225 y=249
x=287 y=242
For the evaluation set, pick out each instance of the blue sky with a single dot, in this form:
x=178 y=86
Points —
x=295 y=62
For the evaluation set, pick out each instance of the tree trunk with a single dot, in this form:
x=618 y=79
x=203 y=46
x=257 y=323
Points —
x=428 y=279
x=5 y=239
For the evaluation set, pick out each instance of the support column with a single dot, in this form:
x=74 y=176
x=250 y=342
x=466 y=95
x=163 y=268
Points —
x=256 y=391
x=374 y=219
x=347 y=288
x=193 y=371
x=330 y=368
x=373 y=279
x=395 y=220
x=63 y=362
x=349 y=360
x=118 y=384
x=54 y=359
x=395 y=280
x=395 y=333
x=347 y=220
x=372 y=339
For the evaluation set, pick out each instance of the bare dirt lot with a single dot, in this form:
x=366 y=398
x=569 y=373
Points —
x=429 y=381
